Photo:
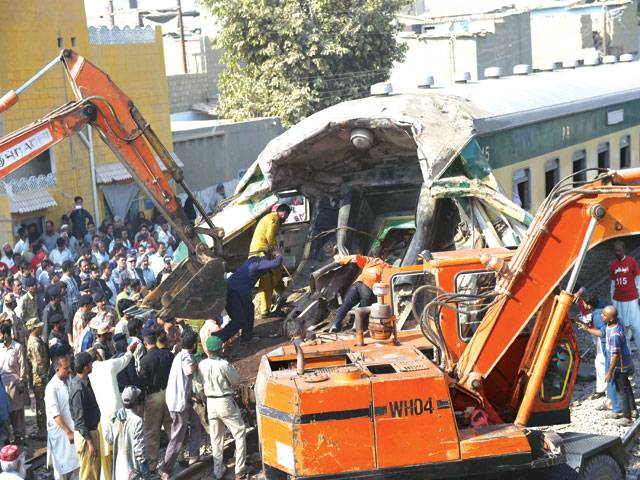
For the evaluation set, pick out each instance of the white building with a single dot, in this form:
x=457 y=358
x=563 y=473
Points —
x=449 y=37
x=446 y=46
x=199 y=27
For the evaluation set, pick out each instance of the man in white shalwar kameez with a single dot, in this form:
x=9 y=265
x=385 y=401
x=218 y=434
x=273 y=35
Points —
x=61 y=453
x=105 y=386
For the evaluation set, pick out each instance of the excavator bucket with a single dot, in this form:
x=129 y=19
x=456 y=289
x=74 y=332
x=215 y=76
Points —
x=194 y=290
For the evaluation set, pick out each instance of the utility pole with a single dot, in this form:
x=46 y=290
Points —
x=184 y=48
x=112 y=20
x=604 y=31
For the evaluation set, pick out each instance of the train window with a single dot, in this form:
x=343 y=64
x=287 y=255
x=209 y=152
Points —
x=551 y=174
x=298 y=204
x=522 y=188
x=471 y=313
x=603 y=155
x=625 y=151
x=579 y=163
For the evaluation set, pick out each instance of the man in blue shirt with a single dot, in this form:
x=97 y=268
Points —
x=620 y=366
x=599 y=330
x=239 y=288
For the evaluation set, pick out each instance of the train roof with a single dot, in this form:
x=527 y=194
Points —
x=514 y=100
x=434 y=124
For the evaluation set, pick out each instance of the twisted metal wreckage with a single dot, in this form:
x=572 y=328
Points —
x=409 y=156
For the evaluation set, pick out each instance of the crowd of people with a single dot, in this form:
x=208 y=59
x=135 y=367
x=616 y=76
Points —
x=103 y=259
x=106 y=375
x=613 y=327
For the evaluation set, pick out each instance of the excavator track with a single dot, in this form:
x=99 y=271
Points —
x=630 y=437
x=202 y=470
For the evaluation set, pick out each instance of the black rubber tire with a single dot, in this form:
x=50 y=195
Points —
x=601 y=467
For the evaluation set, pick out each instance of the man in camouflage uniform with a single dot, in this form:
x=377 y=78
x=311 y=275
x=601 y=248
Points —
x=28 y=304
x=39 y=357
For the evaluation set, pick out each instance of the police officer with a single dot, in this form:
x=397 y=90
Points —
x=220 y=379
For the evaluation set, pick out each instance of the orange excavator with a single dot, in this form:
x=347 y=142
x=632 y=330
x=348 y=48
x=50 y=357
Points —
x=196 y=288
x=494 y=357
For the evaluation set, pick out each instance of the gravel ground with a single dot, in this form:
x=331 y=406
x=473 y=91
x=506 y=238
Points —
x=585 y=417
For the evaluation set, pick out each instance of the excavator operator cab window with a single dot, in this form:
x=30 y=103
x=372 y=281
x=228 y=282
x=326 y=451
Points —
x=471 y=313
x=555 y=384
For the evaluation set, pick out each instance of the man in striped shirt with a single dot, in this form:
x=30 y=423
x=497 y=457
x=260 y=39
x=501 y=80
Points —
x=620 y=366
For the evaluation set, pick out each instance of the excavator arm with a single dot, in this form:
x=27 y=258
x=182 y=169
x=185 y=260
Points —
x=570 y=222
x=196 y=288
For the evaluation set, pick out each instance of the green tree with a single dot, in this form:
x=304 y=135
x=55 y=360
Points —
x=290 y=58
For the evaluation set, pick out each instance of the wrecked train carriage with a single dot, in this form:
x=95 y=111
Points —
x=426 y=154
x=373 y=171
x=371 y=176
x=398 y=174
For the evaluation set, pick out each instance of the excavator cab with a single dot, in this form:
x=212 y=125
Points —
x=399 y=404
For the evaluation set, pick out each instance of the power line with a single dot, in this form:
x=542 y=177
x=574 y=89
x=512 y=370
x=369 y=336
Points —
x=341 y=76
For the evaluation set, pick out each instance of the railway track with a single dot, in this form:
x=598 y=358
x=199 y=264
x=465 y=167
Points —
x=202 y=469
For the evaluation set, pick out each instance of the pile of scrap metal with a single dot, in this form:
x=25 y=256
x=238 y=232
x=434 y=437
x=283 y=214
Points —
x=400 y=170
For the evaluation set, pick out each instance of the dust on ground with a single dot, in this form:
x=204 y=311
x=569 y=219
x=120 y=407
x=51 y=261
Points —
x=246 y=356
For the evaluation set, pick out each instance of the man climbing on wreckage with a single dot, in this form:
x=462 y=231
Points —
x=263 y=243
x=239 y=287
x=361 y=291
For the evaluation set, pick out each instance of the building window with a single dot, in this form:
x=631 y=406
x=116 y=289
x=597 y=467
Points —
x=603 y=155
x=522 y=188
x=60 y=42
x=73 y=41
x=625 y=151
x=551 y=175
x=579 y=163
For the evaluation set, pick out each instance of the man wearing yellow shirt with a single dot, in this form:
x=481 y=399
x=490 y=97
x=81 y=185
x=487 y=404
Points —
x=263 y=242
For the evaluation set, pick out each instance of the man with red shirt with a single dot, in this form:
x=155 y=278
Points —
x=625 y=280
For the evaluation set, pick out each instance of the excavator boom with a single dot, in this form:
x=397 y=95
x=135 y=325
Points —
x=568 y=224
x=196 y=288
